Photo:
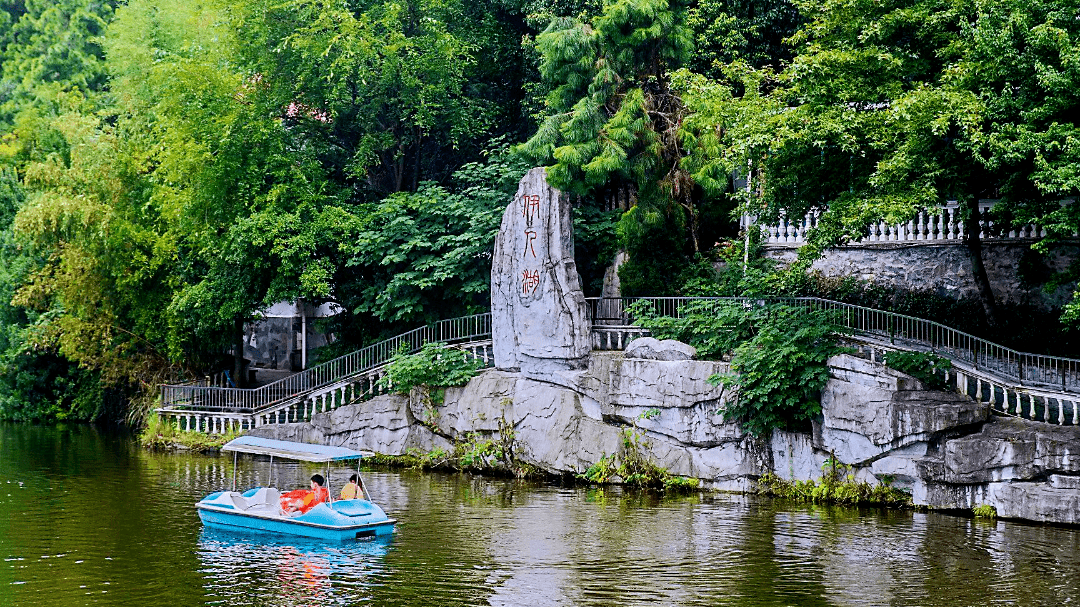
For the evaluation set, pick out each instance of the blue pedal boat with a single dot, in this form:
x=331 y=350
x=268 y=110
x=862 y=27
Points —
x=259 y=509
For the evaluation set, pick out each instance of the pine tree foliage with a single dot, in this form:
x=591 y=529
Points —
x=612 y=114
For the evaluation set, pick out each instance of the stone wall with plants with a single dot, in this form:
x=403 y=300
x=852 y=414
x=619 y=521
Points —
x=1018 y=274
x=881 y=436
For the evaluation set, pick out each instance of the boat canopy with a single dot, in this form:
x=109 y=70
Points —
x=290 y=450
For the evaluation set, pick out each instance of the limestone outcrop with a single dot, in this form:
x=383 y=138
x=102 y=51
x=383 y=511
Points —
x=538 y=310
x=651 y=348
x=869 y=410
x=946 y=449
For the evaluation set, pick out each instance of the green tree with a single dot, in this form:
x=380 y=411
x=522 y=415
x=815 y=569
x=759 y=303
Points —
x=883 y=111
x=380 y=90
x=49 y=46
x=892 y=107
x=418 y=257
x=612 y=125
x=751 y=31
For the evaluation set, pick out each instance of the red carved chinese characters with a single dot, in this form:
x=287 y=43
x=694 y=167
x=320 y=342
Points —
x=530 y=207
x=529 y=281
x=530 y=236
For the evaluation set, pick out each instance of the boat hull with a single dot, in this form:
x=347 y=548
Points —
x=344 y=520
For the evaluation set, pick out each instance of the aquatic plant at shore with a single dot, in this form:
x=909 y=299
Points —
x=837 y=485
x=632 y=467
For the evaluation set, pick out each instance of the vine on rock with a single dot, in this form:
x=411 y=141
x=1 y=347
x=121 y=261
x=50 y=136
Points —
x=930 y=369
x=779 y=356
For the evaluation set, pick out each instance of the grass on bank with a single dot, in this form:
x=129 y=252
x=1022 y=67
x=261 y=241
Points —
x=165 y=436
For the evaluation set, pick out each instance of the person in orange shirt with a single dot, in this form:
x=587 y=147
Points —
x=302 y=500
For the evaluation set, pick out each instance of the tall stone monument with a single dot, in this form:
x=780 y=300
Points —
x=538 y=315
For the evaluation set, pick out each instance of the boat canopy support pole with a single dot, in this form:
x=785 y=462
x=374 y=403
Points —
x=363 y=485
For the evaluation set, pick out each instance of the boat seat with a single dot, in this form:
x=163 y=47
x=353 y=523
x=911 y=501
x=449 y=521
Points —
x=238 y=501
x=268 y=496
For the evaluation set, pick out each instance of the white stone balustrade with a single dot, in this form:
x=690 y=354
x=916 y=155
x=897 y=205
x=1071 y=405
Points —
x=937 y=226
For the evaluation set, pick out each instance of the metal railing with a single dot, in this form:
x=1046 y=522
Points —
x=1025 y=369
x=608 y=314
x=454 y=330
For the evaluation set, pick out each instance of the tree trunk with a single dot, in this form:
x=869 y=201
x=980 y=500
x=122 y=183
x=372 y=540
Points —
x=238 y=354
x=972 y=228
x=416 y=165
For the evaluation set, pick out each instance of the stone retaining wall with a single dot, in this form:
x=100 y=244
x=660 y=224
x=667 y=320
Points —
x=945 y=268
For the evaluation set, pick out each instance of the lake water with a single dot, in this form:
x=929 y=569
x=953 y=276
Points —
x=88 y=518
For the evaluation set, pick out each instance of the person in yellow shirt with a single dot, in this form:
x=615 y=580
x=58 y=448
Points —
x=351 y=490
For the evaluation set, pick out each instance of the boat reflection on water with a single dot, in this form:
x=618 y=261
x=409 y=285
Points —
x=242 y=568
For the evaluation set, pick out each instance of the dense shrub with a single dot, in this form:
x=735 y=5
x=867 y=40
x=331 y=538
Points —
x=435 y=365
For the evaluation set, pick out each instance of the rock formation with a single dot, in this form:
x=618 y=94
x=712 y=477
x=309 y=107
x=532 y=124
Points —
x=538 y=311
x=946 y=449
x=651 y=348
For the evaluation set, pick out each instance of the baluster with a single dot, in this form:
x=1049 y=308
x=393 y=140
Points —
x=1031 y=406
x=1076 y=415
x=920 y=233
x=1061 y=410
x=978 y=390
